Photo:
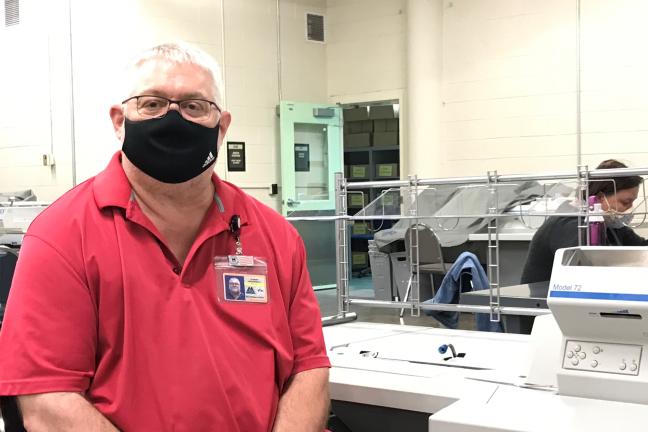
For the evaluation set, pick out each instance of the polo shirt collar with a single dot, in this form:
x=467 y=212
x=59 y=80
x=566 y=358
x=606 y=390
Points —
x=229 y=200
x=111 y=186
x=112 y=189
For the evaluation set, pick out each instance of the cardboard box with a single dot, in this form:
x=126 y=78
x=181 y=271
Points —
x=385 y=125
x=386 y=170
x=355 y=127
x=358 y=171
x=385 y=139
x=357 y=200
x=359 y=259
x=356 y=114
x=360 y=228
x=380 y=125
x=381 y=112
x=357 y=140
x=392 y=125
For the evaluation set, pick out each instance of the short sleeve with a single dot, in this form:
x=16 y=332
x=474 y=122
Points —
x=305 y=318
x=49 y=334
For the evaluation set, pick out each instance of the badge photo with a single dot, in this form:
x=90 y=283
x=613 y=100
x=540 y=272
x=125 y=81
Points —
x=234 y=287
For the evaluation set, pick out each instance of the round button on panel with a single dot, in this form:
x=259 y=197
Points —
x=622 y=366
x=633 y=367
x=582 y=355
x=570 y=354
x=594 y=363
x=577 y=348
x=575 y=362
x=596 y=350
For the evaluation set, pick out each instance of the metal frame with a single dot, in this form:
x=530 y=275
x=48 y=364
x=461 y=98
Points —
x=583 y=193
x=413 y=292
x=492 y=179
x=493 y=248
x=341 y=254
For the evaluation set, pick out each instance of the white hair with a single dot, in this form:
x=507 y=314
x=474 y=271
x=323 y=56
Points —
x=180 y=53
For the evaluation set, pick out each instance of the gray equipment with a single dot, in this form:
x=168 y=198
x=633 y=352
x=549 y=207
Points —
x=381 y=273
x=438 y=211
x=451 y=214
x=17 y=211
x=24 y=195
x=391 y=275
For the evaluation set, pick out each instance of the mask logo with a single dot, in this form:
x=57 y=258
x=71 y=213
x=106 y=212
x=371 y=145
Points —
x=209 y=160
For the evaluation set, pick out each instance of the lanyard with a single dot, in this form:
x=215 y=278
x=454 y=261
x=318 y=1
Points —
x=235 y=230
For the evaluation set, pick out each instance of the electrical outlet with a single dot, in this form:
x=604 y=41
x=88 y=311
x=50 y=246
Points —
x=48 y=159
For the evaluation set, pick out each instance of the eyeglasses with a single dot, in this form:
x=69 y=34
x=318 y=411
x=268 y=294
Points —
x=195 y=110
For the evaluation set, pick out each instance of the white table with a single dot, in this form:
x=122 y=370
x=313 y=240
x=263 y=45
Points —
x=479 y=392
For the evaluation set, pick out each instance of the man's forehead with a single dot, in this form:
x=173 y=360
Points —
x=160 y=91
x=162 y=77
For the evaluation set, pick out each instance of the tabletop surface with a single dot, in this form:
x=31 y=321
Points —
x=524 y=295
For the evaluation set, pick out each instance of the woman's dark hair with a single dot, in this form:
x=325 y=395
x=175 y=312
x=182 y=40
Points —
x=607 y=186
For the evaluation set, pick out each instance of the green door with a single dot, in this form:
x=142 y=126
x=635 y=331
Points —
x=311 y=154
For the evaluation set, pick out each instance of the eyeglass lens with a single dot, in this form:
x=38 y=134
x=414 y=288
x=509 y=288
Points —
x=154 y=106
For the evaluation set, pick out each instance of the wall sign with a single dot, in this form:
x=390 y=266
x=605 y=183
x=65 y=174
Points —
x=235 y=156
x=302 y=157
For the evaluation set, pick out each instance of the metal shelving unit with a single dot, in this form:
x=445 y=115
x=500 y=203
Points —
x=409 y=187
x=362 y=127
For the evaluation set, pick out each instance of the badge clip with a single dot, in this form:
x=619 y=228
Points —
x=235 y=229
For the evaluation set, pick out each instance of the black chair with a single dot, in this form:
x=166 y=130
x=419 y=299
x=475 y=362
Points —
x=8 y=260
x=11 y=414
x=8 y=404
x=422 y=243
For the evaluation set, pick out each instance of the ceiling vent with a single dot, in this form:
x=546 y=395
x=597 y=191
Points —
x=11 y=12
x=315 y=27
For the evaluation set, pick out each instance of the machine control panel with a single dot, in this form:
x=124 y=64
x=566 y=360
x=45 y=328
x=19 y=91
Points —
x=602 y=357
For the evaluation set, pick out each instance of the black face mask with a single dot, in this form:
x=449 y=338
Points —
x=170 y=149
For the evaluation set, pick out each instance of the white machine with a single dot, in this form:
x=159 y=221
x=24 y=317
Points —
x=587 y=367
x=15 y=218
x=599 y=298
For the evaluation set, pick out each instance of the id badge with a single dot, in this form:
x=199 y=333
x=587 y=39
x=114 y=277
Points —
x=241 y=278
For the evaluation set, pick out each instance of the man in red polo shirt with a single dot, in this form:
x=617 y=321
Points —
x=119 y=316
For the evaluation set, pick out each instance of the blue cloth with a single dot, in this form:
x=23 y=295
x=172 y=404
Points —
x=448 y=293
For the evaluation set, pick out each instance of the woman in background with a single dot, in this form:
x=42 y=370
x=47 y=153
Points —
x=616 y=196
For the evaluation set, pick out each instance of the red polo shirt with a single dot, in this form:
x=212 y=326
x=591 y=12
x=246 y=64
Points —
x=100 y=305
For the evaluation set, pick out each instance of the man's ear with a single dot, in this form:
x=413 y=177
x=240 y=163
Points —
x=223 y=124
x=117 y=117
